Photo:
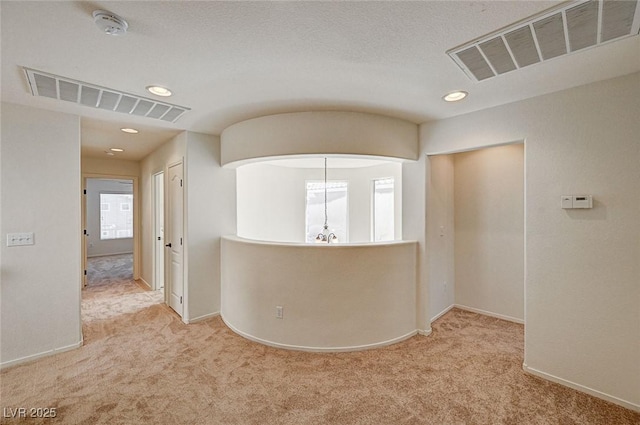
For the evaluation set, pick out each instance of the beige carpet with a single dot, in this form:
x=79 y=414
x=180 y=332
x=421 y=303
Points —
x=146 y=367
x=109 y=269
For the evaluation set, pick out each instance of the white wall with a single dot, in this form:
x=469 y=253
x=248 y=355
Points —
x=319 y=133
x=209 y=213
x=271 y=202
x=334 y=297
x=40 y=291
x=489 y=230
x=271 y=199
x=440 y=224
x=582 y=266
x=415 y=175
x=211 y=209
x=95 y=245
x=110 y=166
x=171 y=152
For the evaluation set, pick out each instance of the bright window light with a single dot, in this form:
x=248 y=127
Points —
x=337 y=210
x=116 y=216
x=383 y=210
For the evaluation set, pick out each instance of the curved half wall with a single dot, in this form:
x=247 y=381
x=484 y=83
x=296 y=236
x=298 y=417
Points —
x=319 y=133
x=333 y=298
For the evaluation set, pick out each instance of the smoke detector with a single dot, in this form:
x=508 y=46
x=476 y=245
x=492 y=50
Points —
x=110 y=23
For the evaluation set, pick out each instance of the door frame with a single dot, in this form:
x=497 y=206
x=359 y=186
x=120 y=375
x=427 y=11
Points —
x=154 y=201
x=136 y=220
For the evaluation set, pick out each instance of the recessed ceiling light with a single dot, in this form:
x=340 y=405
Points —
x=455 y=96
x=129 y=130
x=116 y=150
x=110 y=153
x=159 y=91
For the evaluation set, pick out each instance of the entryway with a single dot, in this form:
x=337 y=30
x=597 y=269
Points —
x=109 y=225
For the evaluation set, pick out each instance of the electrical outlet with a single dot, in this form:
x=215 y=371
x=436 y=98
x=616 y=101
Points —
x=18 y=239
x=279 y=312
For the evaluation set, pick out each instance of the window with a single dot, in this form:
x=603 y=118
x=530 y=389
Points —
x=116 y=216
x=383 y=210
x=337 y=210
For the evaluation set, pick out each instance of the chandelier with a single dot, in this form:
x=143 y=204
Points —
x=325 y=236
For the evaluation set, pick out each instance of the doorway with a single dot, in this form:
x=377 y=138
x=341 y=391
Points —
x=111 y=249
x=476 y=231
x=108 y=230
x=92 y=185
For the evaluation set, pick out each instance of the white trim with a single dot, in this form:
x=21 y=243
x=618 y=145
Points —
x=488 y=313
x=154 y=211
x=319 y=349
x=203 y=317
x=137 y=208
x=145 y=283
x=424 y=332
x=442 y=313
x=581 y=388
x=40 y=355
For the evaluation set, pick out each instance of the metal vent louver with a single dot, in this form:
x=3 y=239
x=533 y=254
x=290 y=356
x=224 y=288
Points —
x=571 y=27
x=61 y=88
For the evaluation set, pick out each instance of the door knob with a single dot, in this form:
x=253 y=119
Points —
x=168 y=245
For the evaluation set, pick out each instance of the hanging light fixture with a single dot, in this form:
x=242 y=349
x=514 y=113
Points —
x=325 y=236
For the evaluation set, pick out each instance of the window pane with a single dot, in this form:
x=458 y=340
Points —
x=383 y=210
x=337 y=211
x=116 y=216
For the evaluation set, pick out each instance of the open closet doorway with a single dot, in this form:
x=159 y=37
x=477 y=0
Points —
x=476 y=231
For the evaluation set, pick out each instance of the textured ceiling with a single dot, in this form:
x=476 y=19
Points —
x=230 y=61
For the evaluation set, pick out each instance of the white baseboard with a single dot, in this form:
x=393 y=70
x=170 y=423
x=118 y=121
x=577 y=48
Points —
x=442 y=313
x=205 y=317
x=40 y=355
x=424 y=332
x=581 y=388
x=488 y=313
x=319 y=349
x=145 y=283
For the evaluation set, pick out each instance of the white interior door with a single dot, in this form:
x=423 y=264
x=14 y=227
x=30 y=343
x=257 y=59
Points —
x=174 y=240
x=158 y=280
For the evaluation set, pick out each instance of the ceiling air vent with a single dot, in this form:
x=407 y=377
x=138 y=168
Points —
x=571 y=27
x=61 y=88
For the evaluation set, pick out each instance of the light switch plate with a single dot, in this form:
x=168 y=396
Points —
x=566 y=201
x=19 y=239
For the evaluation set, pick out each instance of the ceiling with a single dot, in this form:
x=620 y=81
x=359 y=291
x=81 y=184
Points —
x=231 y=61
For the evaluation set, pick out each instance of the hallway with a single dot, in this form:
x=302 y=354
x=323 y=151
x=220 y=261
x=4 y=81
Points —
x=111 y=290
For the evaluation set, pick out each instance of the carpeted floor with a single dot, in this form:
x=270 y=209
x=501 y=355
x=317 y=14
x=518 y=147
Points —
x=111 y=290
x=146 y=367
x=109 y=269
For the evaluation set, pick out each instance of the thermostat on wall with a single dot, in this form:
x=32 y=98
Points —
x=576 y=201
